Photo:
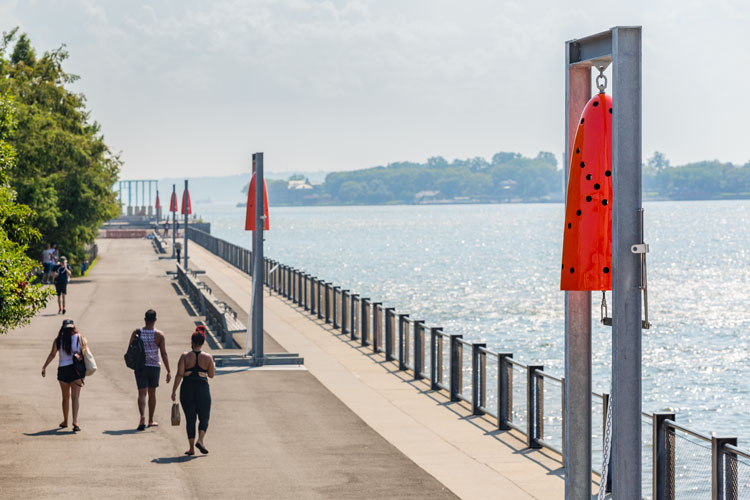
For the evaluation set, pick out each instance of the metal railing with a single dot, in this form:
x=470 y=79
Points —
x=513 y=395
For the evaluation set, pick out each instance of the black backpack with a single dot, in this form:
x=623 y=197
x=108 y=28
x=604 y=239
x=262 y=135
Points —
x=135 y=357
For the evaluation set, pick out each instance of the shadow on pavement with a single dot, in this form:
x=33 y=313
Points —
x=174 y=460
x=122 y=432
x=51 y=432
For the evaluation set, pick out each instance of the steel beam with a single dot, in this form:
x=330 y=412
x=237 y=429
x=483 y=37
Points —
x=577 y=387
x=258 y=352
x=626 y=270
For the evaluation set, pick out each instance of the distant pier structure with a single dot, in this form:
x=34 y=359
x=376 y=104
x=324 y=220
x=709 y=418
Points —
x=141 y=195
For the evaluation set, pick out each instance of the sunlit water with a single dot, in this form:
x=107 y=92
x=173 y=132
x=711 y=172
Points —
x=491 y=273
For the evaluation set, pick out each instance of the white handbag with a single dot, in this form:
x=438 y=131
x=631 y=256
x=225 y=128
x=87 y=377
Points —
x=89 y=361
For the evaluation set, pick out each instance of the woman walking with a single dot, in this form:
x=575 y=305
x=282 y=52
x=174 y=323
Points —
x=196 y=367
x=71 y=370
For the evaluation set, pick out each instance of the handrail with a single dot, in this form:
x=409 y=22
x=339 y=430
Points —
x=687 y=430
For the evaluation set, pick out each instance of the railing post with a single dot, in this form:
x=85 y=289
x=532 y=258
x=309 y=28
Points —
x=389 y=315
x=300 y=294
x=434 y=335
x=418 y=349
x=319 y=298
x=504 y=390
x=352 y=316
x=364 y=322
x=719 y=469
x=663 y=457
x=305 y=284
x=456 y=367
x=533 y=406
x=344 y=310
x=402 y=319
x=327 y=296
x=376 y=326
x=475 y=379
x=335 y=293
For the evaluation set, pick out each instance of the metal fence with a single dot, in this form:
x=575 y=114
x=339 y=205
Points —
x=684 y=464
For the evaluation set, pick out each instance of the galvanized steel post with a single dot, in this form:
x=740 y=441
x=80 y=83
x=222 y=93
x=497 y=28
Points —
x=184 y=204
x=533 y=406
x=504 y=390
x=626 y=266
x=720 y=471
x=363 y=321
x=577 y=386
x=258 y=254
x=456 y=367
x=434 y=375
x=402 y=319
x=418 y=349
x=335 y=306
x=344 y=310
x=476 y=402
x=389 y=315
x=663 y=457
x=352 y=316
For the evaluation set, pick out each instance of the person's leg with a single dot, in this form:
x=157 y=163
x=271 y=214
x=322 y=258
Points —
x=75 y=393
x=59 y=303
x=187 y=400
x=151 y=405
x=65 y=389
x=63 y=301
x=142 y=405
x=204 y=412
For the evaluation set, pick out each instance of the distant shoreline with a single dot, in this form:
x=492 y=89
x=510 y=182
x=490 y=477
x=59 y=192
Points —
x=482 y=202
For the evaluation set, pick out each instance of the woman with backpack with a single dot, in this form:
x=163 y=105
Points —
x=71 y=368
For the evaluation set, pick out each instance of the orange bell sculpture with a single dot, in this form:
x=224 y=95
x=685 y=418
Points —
x=587 y=244
x=187 y=207
x=250 y=211
x=173 y=202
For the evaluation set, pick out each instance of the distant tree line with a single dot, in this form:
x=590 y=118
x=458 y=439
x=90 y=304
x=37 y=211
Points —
x=507 y=177
x=702 y=180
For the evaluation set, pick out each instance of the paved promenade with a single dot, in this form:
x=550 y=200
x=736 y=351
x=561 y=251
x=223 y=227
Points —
x=466 y=453
x=273 y=434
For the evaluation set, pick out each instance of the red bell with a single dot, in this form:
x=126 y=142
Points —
x=250 y=213
x=173 y=202
x=186 y=203
x=587 y=244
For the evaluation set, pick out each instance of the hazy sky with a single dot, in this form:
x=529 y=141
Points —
x=194 y=87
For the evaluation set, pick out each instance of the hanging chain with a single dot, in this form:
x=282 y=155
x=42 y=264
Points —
x=606 y=452
x=601 y=80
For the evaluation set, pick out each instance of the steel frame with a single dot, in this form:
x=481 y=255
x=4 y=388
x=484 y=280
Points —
x=621 y=47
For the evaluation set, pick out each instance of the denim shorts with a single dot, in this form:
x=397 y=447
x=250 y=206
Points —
x=147 y=377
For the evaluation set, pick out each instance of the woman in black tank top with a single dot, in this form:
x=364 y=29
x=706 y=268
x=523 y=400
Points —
x=194 y=370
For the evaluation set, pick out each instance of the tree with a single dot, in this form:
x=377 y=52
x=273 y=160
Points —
x=658 y=161
x=65 y=171
x=19 y=299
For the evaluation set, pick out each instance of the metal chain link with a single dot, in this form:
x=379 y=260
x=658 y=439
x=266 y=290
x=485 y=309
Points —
x=607 y=448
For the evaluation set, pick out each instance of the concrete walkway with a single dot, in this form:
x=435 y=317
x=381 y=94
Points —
x=466 y=453
x=273 y=434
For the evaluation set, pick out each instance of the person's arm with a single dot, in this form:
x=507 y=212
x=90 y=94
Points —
x=50 y=357
x=211 y=367
x=164 y=357
x=178 y=377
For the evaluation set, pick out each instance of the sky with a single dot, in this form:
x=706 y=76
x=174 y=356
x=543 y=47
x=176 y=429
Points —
x=193 y=88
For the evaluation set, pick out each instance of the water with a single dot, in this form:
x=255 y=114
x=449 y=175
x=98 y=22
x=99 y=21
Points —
x=491 y=273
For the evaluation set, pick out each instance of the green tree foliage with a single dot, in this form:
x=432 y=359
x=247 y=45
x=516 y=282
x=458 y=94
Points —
x=65 y=171
x=19 y=299
x=509 y=176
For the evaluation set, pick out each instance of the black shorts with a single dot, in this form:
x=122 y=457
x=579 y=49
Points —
x=61 y=288
x=147 y=377
x=67 y=374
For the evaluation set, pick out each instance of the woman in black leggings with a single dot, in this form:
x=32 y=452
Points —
x=196 y=367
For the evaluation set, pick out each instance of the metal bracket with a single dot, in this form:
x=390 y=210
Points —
x=642 y=249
